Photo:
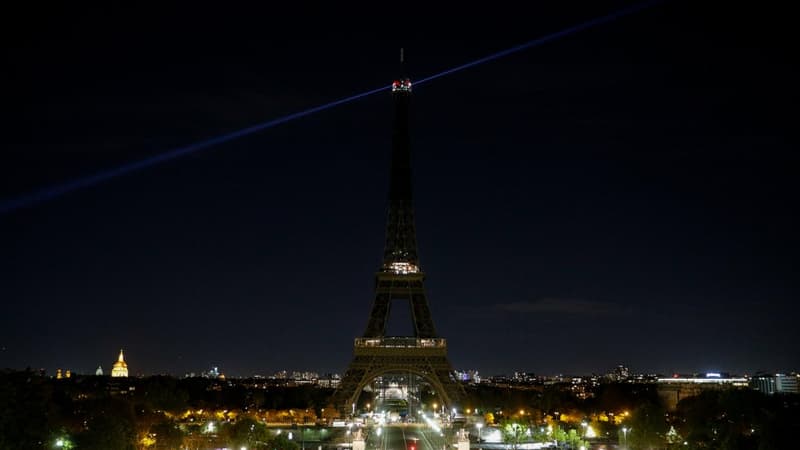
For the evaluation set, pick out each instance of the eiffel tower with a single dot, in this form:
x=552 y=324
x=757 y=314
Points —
x=424 y=354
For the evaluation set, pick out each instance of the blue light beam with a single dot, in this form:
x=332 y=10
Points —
x=45 y=194
x=545 y=39
x=42 y=195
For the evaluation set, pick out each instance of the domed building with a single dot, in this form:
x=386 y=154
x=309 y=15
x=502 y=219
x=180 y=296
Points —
x=120 y=368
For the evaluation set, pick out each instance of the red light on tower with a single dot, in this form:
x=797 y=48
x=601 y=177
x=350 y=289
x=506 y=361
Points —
x=401 y=85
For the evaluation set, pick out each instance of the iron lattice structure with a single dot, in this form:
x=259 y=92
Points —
x=423 y=354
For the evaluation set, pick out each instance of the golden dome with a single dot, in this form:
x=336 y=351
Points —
x=120 y=368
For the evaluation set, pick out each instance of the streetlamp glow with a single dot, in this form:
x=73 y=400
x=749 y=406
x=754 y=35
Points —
x=479 y=426
x=63 y=443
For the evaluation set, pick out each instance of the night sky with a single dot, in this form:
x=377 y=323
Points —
x=627 y=194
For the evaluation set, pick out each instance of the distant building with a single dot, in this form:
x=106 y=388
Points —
x=786 y=384
x=329 y=380
x=305 y=376
x=525 y=377
x=468 y=376
x=120 y=368
x=99 y=371
x=763 y=383
x=774 y=384
x=213 y=373
x=672 y=390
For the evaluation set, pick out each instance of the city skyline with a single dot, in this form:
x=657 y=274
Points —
x=309 y=372
x=594 y=200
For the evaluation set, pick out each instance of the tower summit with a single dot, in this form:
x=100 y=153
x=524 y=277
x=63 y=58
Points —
x=399 y=278
x=400 y=250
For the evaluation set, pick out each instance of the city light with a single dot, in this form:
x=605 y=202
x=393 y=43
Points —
x=403 y=268
x=63 y=443
x=431 y=424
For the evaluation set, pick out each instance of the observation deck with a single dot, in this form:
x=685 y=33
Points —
x=400 y=345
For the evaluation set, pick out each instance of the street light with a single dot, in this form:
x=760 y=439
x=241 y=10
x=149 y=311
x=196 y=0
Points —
x=479 y=426
x=584 y=425
x=625 y=436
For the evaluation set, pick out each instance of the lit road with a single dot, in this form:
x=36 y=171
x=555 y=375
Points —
x=405 y=437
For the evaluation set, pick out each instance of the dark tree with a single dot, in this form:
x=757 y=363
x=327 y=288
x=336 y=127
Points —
x=25 y=410
x=648 y=426
x=168 y=435
x=110 y=425
x=246 y=432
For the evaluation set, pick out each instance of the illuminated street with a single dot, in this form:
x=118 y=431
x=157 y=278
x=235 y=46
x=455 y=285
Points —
x=405 y=437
